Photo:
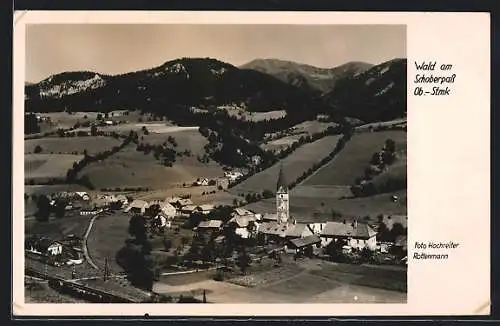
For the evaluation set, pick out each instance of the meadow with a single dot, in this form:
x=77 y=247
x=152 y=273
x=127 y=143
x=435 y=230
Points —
x=45 y=166
x=352 y=161
x=59 y=145
x=294 y=165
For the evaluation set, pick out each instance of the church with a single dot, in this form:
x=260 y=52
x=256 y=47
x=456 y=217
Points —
x=281 y=226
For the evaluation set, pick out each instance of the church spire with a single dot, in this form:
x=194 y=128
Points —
x=282 y=184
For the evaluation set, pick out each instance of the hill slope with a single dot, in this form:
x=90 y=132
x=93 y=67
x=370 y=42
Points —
x=305 y=76
x=183 y=82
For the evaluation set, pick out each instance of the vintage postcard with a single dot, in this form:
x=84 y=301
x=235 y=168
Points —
x=274 y=164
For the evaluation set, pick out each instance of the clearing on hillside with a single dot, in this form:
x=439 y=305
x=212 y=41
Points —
x=58 y=145
x=352 y=161
x=294 y=165
x=131 y=168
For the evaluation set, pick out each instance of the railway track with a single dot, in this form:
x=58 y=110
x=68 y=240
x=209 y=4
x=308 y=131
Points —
x=93 y=292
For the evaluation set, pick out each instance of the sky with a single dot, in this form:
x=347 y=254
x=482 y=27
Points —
x=115 y=49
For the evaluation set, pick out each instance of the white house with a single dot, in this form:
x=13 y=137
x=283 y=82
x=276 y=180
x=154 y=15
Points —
x=202 y=182
x=355 y=235
x=168 y=210
x=123 y=199
x=137 y=207
x=44 y=246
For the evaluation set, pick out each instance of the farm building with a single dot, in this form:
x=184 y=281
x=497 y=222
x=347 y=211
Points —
x=204 y=209
x=187 y=210
x=202 y=182
x=244 y=225
x=238 y=212
x=82 y=195
x=168 y=210
x=305 y=245
x=123 y=199
x=275 y=231
x=210 y=225
x=183 y=202
x=173 y=200
x=354 y=235
x=137 y=207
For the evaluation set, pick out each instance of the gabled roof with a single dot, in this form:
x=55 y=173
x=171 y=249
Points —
x=339 y=229
x=302 y=242
x=243 y=221
x=172 y=199
x=185 y=202
x=295 y=230
x=210 y=224
x=137 y=203
x=189 y=208
x=273 y=228
x=241 y=212
x=205 y=207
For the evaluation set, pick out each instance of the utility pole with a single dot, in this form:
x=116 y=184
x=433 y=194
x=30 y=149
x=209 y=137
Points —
x=106 y=269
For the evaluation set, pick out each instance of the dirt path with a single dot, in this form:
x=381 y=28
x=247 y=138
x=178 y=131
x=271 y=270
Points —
x=85 y=238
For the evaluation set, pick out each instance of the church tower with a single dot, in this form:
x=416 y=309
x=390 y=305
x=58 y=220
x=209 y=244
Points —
x=282 y=200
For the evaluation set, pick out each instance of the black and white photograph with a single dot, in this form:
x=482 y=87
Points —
x=205 y=163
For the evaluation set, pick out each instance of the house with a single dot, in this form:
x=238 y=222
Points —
x=298 y=230
x=109 y=122
x=168 y=210
x=184 y=202
x=137 y=207
x=306 y=245
x=123 y=199
x=354 y=235
x=82 y=195
x=274 y=231
x=44 y=246
x=256 y=159
x=204 y=209
x=244 y=225
x=210 y=225
x=202 y=182
x=162 y=221
x=233 y=175
x=316 y=228
x=173 y=200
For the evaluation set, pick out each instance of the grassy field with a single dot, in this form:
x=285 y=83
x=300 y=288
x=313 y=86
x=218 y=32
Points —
x=254 y=116
x=294 y=165
x=287 y=138
x=41 y=166
x=57 y=229
x=130 y=168
x=354 y=158
x=107 y=237
x=57 y=145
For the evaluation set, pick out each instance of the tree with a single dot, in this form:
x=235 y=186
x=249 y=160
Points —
x=38 y=149
x=99 y=116
x=243 y=261
x=137 y=228
x=267 y=194
x=390 y=145
x=60 y=207
x=93 y=130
